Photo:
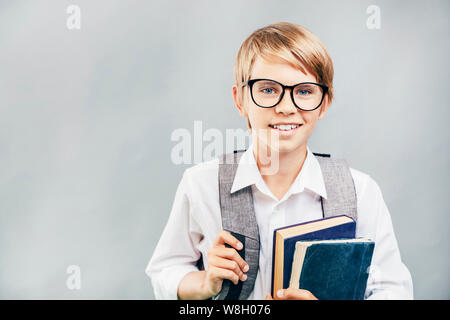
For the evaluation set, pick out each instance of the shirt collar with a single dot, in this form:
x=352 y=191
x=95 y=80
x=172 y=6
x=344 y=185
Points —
x=310 y=176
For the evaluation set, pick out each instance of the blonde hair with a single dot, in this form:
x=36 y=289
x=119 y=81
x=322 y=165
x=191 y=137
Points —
x=290 y=42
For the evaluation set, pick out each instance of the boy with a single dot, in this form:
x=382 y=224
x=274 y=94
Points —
x=283 y=85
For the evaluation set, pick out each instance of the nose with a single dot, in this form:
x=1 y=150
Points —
x=286 y=105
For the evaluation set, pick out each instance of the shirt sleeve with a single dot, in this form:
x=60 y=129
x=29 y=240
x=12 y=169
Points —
x=175 y=254
x=388 y=276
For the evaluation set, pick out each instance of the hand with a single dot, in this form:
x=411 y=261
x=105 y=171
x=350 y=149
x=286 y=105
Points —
x=224 y=263
x=292 y=294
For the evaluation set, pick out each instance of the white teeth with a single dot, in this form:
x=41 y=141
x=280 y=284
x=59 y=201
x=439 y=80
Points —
x=285 y=126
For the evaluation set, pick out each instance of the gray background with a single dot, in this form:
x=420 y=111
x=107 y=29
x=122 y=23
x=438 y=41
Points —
x=86 y=176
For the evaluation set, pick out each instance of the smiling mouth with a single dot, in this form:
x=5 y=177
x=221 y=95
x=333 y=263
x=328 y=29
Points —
x=288 y=127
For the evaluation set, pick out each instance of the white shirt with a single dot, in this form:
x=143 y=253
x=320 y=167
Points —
x=195 y=221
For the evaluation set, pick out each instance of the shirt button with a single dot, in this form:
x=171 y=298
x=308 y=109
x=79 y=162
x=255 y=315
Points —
x=276 y=219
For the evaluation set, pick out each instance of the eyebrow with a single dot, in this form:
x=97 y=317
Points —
x=267 y=80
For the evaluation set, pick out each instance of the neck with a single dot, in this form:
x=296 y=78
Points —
x=283 y=166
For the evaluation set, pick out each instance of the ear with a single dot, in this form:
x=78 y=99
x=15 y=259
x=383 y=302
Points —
x=323 y=109
x=238 y=99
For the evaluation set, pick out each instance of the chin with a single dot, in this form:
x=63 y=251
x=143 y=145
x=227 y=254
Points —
x=287 y=146
x=267 y=142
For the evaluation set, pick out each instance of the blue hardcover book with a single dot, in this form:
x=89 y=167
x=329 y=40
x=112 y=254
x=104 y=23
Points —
x=285 y=239
x=332 y=269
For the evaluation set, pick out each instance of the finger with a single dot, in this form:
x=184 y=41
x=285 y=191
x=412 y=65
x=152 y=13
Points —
x=226 y=237
x=305 y=294
x=232 y=254
x=295 y=294
x=269 y=297
x=230 y=265
x=220 y=274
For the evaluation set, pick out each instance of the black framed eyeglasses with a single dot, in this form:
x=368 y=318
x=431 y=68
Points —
x=267 y=93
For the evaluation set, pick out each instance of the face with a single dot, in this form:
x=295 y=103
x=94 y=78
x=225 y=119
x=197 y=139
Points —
x=263 y=119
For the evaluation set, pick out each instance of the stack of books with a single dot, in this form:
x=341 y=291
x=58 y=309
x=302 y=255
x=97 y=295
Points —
x=323 y=257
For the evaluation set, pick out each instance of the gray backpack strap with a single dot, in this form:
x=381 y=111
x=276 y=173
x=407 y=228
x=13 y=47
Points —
x=341 y=193
x=238 y=218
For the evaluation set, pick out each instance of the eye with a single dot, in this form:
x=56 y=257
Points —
x=303 y=92
x=268 y=90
